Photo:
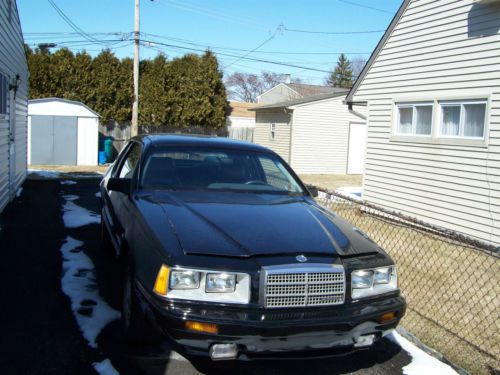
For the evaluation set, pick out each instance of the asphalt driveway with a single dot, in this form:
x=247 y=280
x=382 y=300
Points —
x=61 y=298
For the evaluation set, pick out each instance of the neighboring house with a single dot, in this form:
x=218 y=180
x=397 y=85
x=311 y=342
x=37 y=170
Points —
x=62 y=132
x=13 y=102
x=241 y=121
x=315 y=135
x=285 y=91
x=432 y=90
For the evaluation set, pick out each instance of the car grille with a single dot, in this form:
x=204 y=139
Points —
x=313 y=285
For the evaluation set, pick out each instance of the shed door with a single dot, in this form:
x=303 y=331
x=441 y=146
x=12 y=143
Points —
x=357 y=146
x=53 y=140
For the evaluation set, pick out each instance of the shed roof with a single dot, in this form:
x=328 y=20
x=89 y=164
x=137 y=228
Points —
x=310 y=90
x=308 y=99
x=71 y=108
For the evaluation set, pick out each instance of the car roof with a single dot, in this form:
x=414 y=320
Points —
x=200 y=141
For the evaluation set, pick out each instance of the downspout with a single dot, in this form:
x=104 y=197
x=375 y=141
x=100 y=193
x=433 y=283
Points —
x=290 y=112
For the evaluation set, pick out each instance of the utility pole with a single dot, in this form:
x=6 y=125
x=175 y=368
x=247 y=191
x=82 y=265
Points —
x=135 y=106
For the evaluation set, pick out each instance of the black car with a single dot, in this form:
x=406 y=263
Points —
x=228 y=255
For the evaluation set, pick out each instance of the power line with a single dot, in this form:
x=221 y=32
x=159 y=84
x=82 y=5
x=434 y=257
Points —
x=366 y=6
x=334 y=32
x=241 y=58
x=273 y=35
x=125 y=35
x=70 y=22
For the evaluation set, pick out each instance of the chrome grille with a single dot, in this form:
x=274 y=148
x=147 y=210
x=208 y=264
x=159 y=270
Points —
x=299 y=285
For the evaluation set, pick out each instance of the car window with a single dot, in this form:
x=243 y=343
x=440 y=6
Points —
x=205 y=169
x=131 y=160
x=275 y=174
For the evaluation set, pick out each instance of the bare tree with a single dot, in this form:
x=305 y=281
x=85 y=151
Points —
x=247 y=87
x=357 y=65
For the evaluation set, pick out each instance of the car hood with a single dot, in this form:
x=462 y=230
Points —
x=245 y=225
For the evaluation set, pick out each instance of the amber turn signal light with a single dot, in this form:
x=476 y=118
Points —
x=202 y=327
x=387 y=317
x=161 y=283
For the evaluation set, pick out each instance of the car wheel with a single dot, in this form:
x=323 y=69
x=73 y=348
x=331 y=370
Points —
x=134 y=323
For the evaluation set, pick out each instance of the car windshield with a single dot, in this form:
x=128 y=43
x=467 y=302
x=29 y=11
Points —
x=212 y=170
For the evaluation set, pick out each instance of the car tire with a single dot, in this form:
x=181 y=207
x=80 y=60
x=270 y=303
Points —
x=134 y=324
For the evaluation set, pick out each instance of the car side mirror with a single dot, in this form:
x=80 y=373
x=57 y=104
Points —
x=121 y=185
x=313 y=190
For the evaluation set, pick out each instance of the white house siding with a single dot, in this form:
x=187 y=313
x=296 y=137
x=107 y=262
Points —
x=279 y=93
x=281 y=142
x=320 y=136
x=12 y=62
x=438 y=50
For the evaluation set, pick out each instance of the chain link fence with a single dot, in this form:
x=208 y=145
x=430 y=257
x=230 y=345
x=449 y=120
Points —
x=451 y=282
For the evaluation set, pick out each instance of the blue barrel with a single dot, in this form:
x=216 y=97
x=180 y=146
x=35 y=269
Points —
x=102 y=157
x=108 y=149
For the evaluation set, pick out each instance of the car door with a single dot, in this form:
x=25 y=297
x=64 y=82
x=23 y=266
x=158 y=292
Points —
x=121 y=211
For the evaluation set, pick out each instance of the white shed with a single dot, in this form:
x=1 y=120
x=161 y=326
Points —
x=62 y=132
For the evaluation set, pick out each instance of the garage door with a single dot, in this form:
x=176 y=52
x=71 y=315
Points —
x=54 y=140
x=357 y=146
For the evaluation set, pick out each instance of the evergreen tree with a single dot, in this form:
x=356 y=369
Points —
x=153 y=110
x=184 y=92
x=342 y=74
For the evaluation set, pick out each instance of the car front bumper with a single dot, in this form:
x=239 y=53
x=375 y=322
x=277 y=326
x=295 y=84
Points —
x=273 y=333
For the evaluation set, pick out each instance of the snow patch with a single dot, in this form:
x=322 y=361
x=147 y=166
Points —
x=422 y=363
x=92 y=313
x=98 y=194
x=105 y=368
x=68 y=182
x=44 y=173
x=75 y=216
x=354 y=192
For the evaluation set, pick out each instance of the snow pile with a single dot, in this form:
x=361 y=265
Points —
x=105 y=368
x=78 y=283
x=422 y=363
x=75 y=216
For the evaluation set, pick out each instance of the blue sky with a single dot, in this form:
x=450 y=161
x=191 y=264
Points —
x=228 y=27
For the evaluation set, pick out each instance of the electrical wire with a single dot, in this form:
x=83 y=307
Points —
x=333 y=32
x=366 y=6
x=66 y=19
x=273 y=35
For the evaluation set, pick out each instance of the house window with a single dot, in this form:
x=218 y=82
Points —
x=462 y=119
x=414 y=119
x=4 y=92
x=272 y=133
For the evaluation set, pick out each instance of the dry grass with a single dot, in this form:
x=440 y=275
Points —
x=71 y=168
x=452 y=290
x=332 y=181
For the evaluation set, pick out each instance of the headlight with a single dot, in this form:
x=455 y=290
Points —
x=204 y=285
x=365 y=283
x=362 y=279
x=220 y=282
x=185 y=280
